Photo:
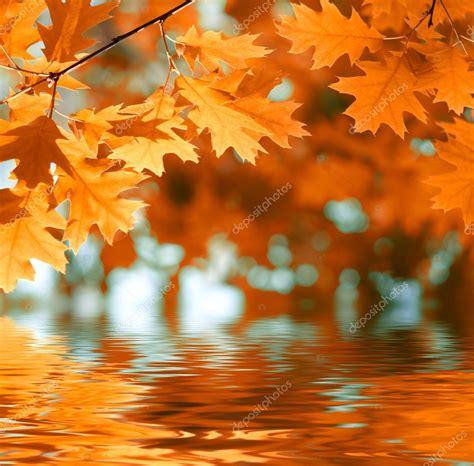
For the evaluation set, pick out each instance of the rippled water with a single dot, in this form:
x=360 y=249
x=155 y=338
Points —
x=85 y=392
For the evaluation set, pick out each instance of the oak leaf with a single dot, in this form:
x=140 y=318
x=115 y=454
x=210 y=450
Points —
x=457 y=185
x=25 y=236
x=17 y=31
x=95 y=197
x=211 y=49
x=154 y=135
x=451 y=76
x=35 y=146
x=28 y=107
x=329 y=32
x=229 y=126
x=275 y=117
x=383 y=94
x=94 y=125
x=71 y=19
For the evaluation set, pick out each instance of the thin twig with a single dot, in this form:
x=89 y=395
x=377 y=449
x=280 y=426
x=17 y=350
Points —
x=468 y=39
x=453 y=28
x=395 y=38
x=15 y=67
x=22 y=70
x=421 y=20
x=67 y=117
x=55 y=76
x=430 y=12
x=10 y=59
x=169 y=55
x=53 y=97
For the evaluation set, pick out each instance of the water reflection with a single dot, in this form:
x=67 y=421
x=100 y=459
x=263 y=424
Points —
x=170 y=391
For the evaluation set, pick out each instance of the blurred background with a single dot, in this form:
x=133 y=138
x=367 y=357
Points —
x=205 y=300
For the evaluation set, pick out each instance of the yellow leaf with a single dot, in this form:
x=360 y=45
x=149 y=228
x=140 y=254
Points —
x=95 y=124
x=17 y=32
x=274 y=116
x=95 y=196
x=154 y=136
x=24 y=236
x=228 y=126
x=211 y=49
x=28 y=107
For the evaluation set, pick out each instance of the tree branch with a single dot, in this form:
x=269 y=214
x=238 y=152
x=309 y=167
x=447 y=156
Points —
x=55 y=76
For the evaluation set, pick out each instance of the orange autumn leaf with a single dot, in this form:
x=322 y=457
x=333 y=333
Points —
x=329 y=32
x=94 y=125
x=95 y=193
x=71 y=19
x=17 y=31
x=25 y=235
x=451 y=75
x=457 y=184
x=28 y=107
x=275 y=117
x=211 y=49
x=228 y=126
x=154 y=135
x=35 y=146
x=383 y=95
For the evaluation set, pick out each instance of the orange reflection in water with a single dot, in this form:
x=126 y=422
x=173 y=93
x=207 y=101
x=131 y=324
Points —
x=175 y=399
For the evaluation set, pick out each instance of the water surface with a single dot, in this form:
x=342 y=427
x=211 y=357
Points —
x=91 y=391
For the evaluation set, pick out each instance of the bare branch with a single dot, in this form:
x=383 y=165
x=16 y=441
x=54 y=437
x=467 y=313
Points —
x=55 y=76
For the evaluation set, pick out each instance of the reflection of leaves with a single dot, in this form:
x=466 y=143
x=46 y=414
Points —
x=75 y=400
